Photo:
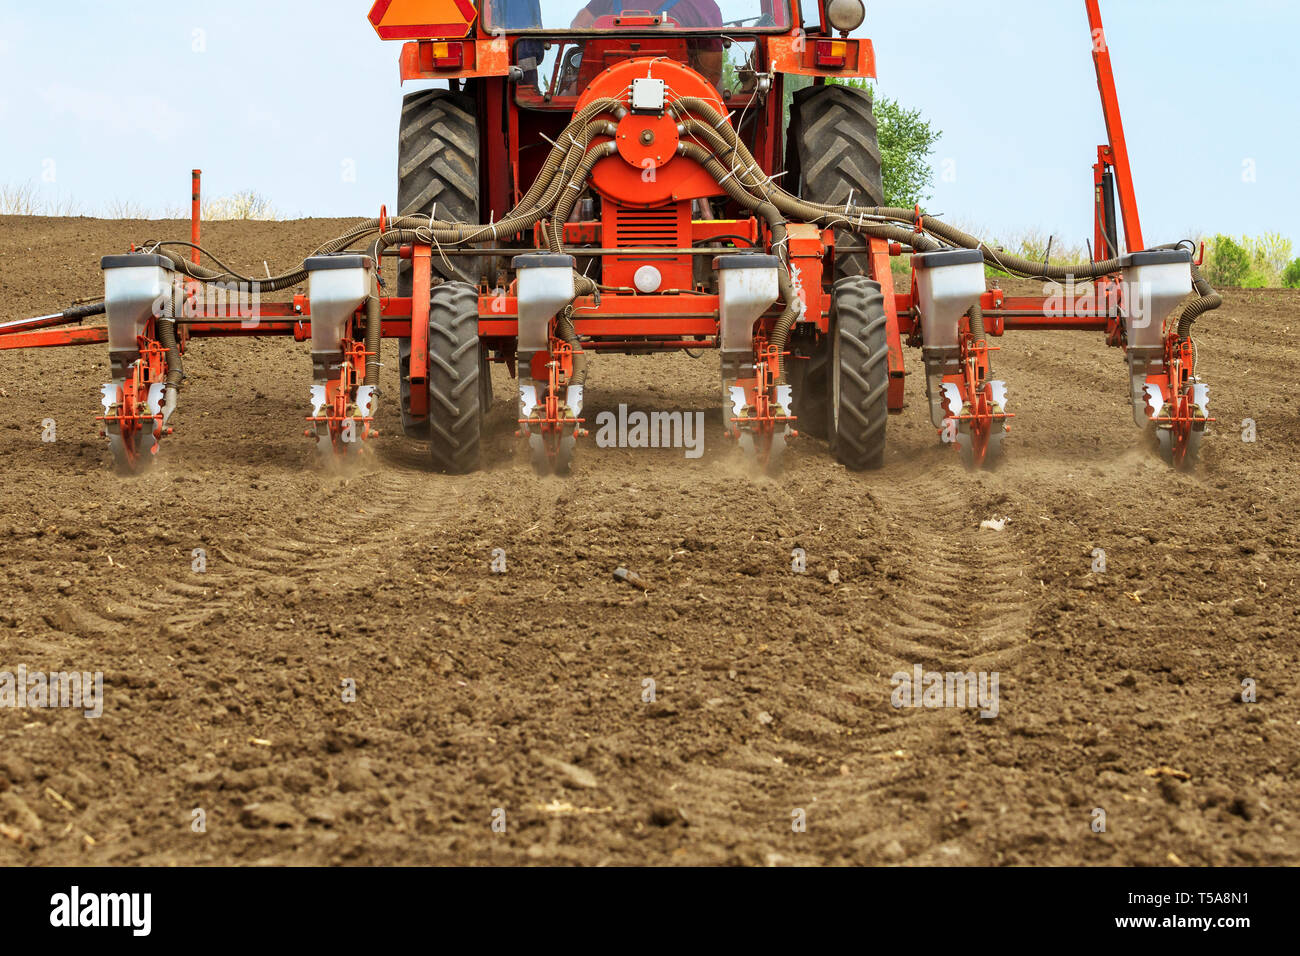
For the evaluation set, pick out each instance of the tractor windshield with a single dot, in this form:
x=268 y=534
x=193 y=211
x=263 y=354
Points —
x=525 y=16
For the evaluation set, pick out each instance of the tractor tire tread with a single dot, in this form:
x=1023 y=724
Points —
x=835 y=147
x=438 y=163
x=456 y=411
x=858 y=439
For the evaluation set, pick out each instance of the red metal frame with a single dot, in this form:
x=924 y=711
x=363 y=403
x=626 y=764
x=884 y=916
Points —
x=763 y=418
x=129 y=413
x=883 y=273
x=976 y=390
x=1118 y=157
x=684 y=319
x=340 y=398
x=53 y=338
x=418 y=309
x=196 y=228
x=553 y=420
x=1174 y=383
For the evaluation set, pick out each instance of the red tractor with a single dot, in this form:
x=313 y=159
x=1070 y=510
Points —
x=696 y=214
x=647 y=221
x=607 y=178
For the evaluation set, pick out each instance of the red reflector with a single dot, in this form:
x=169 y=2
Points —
x=442 y=55
x=831 y=53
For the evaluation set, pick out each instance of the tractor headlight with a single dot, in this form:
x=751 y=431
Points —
x=846 y=15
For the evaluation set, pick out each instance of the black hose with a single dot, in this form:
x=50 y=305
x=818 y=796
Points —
x=1188 y=311
x=874 y=221
x=79 y=312
x=167 y=337
x=776 y=223
x=565 y=330
x=711 y=136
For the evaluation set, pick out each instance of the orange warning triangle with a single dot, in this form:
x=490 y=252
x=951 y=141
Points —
x=422 y=19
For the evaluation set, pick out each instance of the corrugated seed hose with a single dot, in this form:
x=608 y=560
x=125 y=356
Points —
x=374 y=333
x=709 y=139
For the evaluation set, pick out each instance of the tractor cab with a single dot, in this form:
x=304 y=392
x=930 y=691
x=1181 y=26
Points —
x=579 y=42
x=514 y=17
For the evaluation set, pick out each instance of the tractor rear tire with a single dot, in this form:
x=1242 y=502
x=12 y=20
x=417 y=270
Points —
x=438 y=164
x=456 y=412
x=834 y=154
x=859 y=386
x=808 y=371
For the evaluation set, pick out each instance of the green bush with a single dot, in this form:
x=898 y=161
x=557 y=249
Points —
x=1291 y=275
x=1250 y=262
x=906 y=142
x=1227 y=263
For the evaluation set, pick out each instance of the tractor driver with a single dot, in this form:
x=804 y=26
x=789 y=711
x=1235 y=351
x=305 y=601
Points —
x=706 y=52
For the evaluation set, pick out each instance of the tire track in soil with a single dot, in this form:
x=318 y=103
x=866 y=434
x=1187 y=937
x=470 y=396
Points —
x=963 y=603
x=966 y=604
x=467 y=677
x=240 y=566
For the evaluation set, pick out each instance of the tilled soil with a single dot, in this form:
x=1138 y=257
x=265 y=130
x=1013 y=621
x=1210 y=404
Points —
x=523 y=698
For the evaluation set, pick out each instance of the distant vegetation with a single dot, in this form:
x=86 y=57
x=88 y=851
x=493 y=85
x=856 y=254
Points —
x=1257 y=262
x=906 y=141
x=244 y=205
x=25 y=199
x=1247 y=262
x=1032 y=244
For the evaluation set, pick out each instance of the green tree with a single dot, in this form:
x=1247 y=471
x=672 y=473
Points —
x=1291 y=275
x=906 y=142
x=1229 y=263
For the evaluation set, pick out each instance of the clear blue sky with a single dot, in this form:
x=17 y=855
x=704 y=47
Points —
x=118 y=100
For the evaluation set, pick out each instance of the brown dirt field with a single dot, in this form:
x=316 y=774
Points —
x=523 y=691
